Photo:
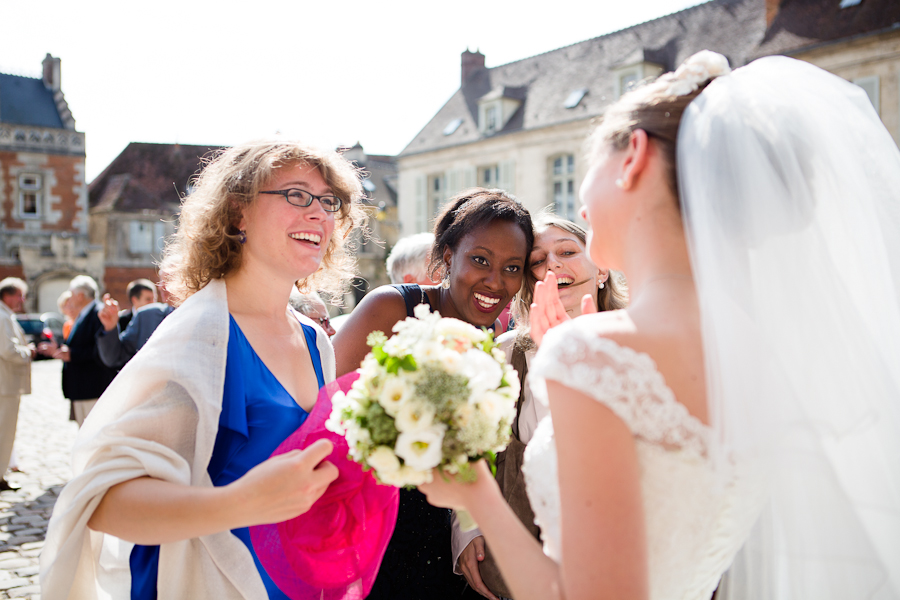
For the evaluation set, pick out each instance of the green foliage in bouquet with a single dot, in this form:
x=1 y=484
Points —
x=437 y=394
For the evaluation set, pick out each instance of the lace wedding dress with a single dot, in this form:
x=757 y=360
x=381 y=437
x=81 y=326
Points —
x=695 y=520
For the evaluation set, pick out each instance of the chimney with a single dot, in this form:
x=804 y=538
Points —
x=52 y=75
x=772 y=7
x=471 y=62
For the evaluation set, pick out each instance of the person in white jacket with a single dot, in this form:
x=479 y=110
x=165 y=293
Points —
x=15 y=367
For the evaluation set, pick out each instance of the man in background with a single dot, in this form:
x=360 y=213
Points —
x=15 y=367
x=118 y=344
x=408 y=260
x=139 y=292
x=84 y=376
x=312 y=306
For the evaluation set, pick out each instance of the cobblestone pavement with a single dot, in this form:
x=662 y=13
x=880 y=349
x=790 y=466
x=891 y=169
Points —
x=44 y=439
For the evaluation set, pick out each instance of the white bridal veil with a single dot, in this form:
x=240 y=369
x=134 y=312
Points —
x=791 y=192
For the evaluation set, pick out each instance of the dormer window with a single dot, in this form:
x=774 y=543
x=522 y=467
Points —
x=496 y=108
x=490 y=116
x=633 y=70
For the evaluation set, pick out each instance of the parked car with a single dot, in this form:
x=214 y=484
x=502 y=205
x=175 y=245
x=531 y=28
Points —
x=39 y=328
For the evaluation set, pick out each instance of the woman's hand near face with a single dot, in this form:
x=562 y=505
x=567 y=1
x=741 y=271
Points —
x=547 y=310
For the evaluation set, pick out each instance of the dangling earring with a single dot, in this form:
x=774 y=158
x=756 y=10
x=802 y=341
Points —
x=445 y=282
x=620 y=183
x=242 y=236
x=601 y=284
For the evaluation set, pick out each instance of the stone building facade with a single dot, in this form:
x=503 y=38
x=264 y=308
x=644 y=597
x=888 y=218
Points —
x=858 y=40
x=522 y=126
x=380 y=186
x=43 y=192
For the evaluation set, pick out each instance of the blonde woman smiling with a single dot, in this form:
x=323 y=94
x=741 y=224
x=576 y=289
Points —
x=173 y=465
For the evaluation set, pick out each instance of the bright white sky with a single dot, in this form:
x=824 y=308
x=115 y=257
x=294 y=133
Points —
x=333 y=72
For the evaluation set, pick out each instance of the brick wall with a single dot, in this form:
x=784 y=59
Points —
x=63 y=188
x=12 y=271
x=116 y=280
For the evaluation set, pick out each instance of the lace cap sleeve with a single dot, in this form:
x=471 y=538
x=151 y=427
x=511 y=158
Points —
x=625 y=381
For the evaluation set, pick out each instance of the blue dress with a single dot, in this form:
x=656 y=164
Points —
x=258 y=414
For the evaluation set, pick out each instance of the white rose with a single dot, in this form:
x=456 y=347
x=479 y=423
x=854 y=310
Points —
x=421 y=449
x=482 y=371
x=412 y=476
x=394 y=394
x=451 y=361
x=464 y=414
x=356 y=435
x=383 y=460
x=413 y=416
x=459 y=333
x=427 y=351
x=493 y=406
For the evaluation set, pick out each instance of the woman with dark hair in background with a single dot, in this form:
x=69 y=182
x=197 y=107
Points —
x=482 y=242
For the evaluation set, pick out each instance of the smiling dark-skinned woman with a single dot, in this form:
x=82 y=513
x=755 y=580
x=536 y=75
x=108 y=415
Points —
x=482 y=242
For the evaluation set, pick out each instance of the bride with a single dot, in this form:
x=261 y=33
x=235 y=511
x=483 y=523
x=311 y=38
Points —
x=743 y=413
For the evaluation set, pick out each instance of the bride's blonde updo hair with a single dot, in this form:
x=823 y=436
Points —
x=657 y=107
x=207 y=244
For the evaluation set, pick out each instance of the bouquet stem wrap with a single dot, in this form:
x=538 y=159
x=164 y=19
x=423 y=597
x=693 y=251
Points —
x=466 y=522
x=334 y=550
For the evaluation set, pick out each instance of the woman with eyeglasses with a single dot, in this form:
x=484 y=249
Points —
x=173 y=468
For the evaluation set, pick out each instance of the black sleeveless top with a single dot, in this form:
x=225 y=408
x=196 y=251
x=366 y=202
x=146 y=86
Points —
x=418 y=563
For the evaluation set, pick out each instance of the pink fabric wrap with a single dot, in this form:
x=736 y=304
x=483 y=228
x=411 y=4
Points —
x=334 y=550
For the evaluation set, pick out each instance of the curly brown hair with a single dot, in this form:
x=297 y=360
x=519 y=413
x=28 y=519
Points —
x=207 y=245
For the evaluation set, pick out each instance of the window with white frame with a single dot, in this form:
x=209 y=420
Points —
x=489 y=176
x=490 y=116
x=31 y=186
x=562 y=178
x=159 y=233
x=437 y=193
x=140 y=237
x=871 y=86
x=627 y=79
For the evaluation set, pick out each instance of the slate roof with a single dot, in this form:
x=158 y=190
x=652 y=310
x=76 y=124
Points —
x=25 y=101
x=731 y=27
x=382 y=172
x=800 y=24
x=147 y=177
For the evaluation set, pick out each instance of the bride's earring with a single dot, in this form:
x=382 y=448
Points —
x=445 y=282
x=600 y=284
x=620 y=183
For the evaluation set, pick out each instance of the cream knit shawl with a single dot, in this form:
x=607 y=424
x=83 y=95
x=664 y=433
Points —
x=158 y=418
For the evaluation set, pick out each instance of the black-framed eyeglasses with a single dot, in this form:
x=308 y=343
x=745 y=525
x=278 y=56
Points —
x=302 y=198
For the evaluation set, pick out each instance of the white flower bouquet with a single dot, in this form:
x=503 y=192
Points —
x=437 y=394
